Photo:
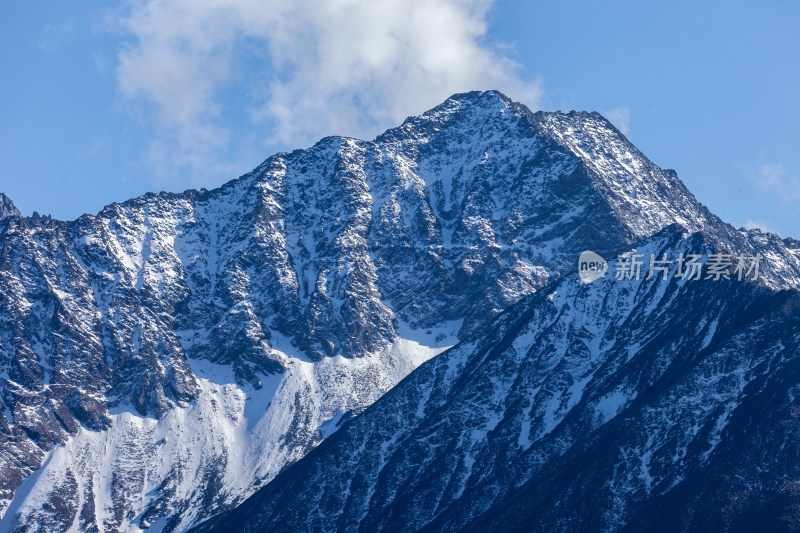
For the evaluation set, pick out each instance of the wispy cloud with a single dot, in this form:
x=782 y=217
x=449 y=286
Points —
x=314 y=67
x=56 y=35
x=620 y=117
x=759 y=224
x=772 y=177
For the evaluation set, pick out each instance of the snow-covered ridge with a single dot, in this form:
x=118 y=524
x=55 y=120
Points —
x=616 y=405
x=233 y=437
x=318 y=259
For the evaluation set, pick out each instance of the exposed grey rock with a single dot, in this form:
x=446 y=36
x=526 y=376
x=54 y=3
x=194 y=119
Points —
x=7 y=207
x=622 y=405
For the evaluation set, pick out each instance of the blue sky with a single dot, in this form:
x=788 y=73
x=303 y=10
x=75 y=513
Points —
x=101 y=101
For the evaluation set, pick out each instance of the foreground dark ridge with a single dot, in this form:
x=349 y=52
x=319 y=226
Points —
x=617 y=406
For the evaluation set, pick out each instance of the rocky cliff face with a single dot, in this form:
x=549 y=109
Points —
x=7 y=207
x=620 y=405
x=165 y=358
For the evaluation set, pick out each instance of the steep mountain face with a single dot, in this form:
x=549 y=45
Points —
x=165 y=358
x=7 y=207
x=621 y=405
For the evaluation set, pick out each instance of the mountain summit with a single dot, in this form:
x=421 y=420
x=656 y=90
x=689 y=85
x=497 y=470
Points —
x=165 y=358
x=7 y=207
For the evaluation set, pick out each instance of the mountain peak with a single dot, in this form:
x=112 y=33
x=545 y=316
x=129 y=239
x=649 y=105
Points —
x=7 y=207
x=488 y=125
x=494 y=103
x=483 y=98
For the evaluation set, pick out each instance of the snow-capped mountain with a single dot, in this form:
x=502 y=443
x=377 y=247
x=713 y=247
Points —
x=162 y=360
x=621 y=405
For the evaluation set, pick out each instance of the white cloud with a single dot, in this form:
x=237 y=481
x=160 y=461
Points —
x=314 y=68
x=773 y=177
x=758 y=224
x=620 y=117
